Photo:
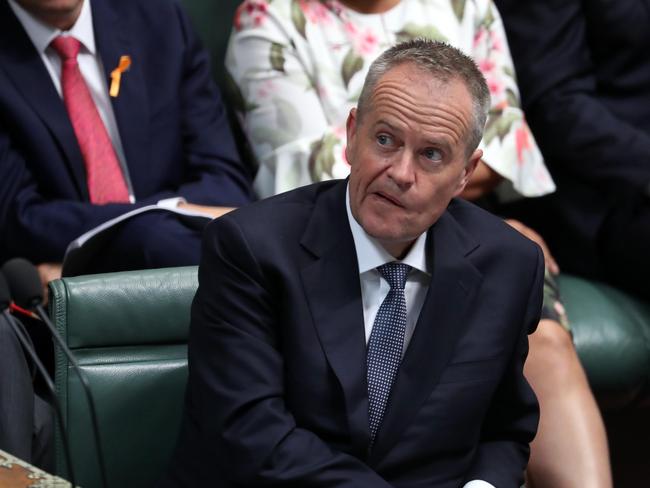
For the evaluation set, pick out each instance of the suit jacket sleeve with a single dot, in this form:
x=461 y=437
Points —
x=34 y=226
x=511 y=422
x=574 y=128
x=40 y=229
x=236 y=378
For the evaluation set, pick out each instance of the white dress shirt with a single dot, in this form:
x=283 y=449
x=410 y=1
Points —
x=374 y=288
x=90 y=65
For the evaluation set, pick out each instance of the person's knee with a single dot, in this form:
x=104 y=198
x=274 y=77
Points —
x=154 y=240
x=551 y=348
x=173 y=244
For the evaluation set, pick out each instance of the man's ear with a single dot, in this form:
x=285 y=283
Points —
x=470 y=166
x=351 y=132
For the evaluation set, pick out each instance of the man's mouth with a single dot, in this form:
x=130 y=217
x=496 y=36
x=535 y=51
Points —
x=389 y=198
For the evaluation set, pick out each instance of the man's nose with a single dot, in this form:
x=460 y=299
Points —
x=402 y=169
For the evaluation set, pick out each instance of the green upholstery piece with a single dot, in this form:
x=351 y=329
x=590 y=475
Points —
x=128 y=332
x=611 y=331
x=89 y=307
x=213 y=21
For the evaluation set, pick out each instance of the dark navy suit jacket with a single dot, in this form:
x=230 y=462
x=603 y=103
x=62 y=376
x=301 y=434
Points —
x=277 y=392
x=584 y=73
x=170 y=117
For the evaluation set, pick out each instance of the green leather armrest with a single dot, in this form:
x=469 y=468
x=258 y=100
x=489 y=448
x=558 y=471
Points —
x=611 y=331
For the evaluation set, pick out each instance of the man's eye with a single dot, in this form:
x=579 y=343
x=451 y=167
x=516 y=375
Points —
x=384 y=140
x=432 y=154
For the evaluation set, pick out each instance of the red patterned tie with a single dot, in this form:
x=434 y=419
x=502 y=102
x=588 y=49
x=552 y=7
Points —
x=103 y=173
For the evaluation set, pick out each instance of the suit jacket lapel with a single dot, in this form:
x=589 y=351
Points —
x=24 y=66
x=131 y=106
x=333 y=291
x=442 y=321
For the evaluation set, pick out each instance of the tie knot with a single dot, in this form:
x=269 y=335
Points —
x=395 y=273
x=66 y=46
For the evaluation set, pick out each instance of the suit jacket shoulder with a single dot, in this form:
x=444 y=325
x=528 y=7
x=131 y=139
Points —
x=490 y=229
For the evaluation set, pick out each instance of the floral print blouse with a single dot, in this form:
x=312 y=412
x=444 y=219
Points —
x=297 y=68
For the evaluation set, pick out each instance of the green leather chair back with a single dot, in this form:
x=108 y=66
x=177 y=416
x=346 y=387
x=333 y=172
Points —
x=128 y=332
x=213 y=21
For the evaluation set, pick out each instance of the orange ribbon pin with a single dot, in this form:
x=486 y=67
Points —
x=116 y=75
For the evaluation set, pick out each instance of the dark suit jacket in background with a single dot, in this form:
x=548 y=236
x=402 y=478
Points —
x=584 y=74
x=26 y=420
x=171 y=122
x=277 y=392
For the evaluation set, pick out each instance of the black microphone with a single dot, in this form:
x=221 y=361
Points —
x=23 y=338
x=25 y=285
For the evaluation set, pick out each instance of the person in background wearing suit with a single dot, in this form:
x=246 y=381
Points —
x=369 y=332
x=584 y=75
x=106 y=106
x=78 y=148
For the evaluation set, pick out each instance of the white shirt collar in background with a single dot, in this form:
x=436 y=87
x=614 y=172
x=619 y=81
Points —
x=90 y=65
x=42 y=34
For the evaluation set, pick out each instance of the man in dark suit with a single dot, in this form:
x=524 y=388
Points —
x=152 y=127
x=368 y=333
x=584 y=75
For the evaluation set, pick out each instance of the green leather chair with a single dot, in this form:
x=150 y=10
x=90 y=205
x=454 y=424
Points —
x=213 y=21
x=128 y=332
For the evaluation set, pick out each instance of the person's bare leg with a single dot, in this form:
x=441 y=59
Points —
x=570 y=449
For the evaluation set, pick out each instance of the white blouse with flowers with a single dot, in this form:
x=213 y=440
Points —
x=298 y=67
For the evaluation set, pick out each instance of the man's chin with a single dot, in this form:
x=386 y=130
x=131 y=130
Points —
x=394 y=243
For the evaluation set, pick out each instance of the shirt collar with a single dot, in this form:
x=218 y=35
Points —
x=371 y=254
x=42 y=34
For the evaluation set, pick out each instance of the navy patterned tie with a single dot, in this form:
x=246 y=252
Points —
x=385 y=344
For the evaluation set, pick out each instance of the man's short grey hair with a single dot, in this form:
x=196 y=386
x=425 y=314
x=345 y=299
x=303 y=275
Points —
x=443 y=62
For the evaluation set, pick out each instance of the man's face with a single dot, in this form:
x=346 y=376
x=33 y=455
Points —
x=408 y=155
x=57 y=13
